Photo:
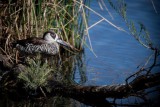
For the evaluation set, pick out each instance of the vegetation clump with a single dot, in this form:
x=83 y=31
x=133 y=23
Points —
x=36 y=74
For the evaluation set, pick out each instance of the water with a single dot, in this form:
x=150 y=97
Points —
x=118 y=54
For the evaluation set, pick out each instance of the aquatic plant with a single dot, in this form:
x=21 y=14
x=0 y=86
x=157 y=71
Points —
x=36 y=74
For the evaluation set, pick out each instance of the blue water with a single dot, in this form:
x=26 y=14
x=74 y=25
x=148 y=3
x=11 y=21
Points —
x=118 y=53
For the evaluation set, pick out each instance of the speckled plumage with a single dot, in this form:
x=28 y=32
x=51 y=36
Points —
x=48 y=48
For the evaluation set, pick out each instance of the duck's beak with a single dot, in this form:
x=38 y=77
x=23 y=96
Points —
x=63 y=43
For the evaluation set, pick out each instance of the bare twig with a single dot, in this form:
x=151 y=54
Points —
x=154 y=7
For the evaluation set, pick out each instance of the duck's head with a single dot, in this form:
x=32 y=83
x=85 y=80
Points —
x=51 y=37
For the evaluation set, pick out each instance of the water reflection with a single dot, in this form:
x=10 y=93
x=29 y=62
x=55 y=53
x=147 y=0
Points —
x=71 y=65
x=56 y=101
x=73 y=68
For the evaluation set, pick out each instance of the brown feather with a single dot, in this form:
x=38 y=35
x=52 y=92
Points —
x=34 y=40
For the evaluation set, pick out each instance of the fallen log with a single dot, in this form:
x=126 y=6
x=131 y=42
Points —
x=108 y=91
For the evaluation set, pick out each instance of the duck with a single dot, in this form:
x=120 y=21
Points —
x=48 y=44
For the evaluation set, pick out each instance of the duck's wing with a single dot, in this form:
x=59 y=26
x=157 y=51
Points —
x=33 y=41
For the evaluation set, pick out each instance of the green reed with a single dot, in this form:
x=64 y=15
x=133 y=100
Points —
x=27 y=18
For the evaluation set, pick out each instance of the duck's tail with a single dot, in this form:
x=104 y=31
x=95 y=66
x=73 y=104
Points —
x=14 y=44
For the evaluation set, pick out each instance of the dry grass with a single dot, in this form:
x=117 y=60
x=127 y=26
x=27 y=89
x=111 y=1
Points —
x=24 y=18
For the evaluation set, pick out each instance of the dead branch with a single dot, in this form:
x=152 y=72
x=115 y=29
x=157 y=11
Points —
x=108 y=91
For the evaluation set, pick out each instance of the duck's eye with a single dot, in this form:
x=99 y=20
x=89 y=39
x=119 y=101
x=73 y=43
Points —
x=53 y=36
